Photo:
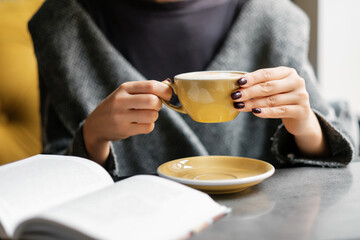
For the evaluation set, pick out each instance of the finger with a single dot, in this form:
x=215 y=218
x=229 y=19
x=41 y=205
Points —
x=147 y=87
x=144 y=101
x=265 y=75
x=268 y=89
x=288 y=111
x=140 y=128
x=277 y=100
x=142 y=116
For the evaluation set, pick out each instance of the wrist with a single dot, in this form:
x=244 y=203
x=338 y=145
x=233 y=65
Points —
x=97 y=148
x=311 y=141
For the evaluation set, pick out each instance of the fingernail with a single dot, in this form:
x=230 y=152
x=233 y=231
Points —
x=256 y=110
x=239 y=105
x=236 y=95
x=242 y=81
x=168 y=79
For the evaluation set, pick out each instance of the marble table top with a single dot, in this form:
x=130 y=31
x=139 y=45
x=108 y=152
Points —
x=295 y=203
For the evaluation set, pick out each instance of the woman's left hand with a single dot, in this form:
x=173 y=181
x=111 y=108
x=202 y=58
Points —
x=280 y=93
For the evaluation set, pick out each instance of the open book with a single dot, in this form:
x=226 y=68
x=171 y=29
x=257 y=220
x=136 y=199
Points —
x=62 y=197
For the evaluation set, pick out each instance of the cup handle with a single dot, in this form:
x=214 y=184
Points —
x=179 y=109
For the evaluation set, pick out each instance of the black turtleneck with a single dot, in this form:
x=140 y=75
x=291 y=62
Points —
x=164 y=39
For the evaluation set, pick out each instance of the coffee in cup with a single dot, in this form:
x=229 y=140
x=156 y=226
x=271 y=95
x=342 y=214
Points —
x=206 y=96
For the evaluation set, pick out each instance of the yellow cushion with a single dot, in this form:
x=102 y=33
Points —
x=19 y=94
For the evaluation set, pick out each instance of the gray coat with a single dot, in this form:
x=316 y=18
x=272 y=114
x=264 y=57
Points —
x=78 y=67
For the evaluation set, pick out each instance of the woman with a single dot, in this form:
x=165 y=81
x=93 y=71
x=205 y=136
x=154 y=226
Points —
x=95 y=59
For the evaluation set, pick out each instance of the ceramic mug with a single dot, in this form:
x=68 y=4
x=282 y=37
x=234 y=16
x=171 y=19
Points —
x=206 y=96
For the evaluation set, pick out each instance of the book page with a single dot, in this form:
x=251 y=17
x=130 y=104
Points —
x=32 y=185
x=140 y=207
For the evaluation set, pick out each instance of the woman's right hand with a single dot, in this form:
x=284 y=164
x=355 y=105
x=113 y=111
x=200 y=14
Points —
x=131 y=109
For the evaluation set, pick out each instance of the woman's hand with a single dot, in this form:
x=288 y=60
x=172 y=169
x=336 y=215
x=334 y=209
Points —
x=280 y=93
x=130 y=110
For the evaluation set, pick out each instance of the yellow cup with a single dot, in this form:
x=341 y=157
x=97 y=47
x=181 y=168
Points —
x=206 y=96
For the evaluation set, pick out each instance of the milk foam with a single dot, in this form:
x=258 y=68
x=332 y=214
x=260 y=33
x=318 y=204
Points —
x=209 y=75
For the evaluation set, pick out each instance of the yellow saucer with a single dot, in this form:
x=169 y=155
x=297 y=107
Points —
x=217 y=174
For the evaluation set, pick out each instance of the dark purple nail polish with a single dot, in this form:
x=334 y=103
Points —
x=236 y=95
x=242 y=81
x=239 y=105
x=256 y=110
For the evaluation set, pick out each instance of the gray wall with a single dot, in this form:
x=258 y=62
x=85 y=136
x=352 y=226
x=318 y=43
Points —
x=311 y=9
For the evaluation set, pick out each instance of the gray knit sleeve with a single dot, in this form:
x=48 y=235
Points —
x=70 y=86
x=77 y=148
x=57 y=139
x=289 y=41
x=339 y=144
